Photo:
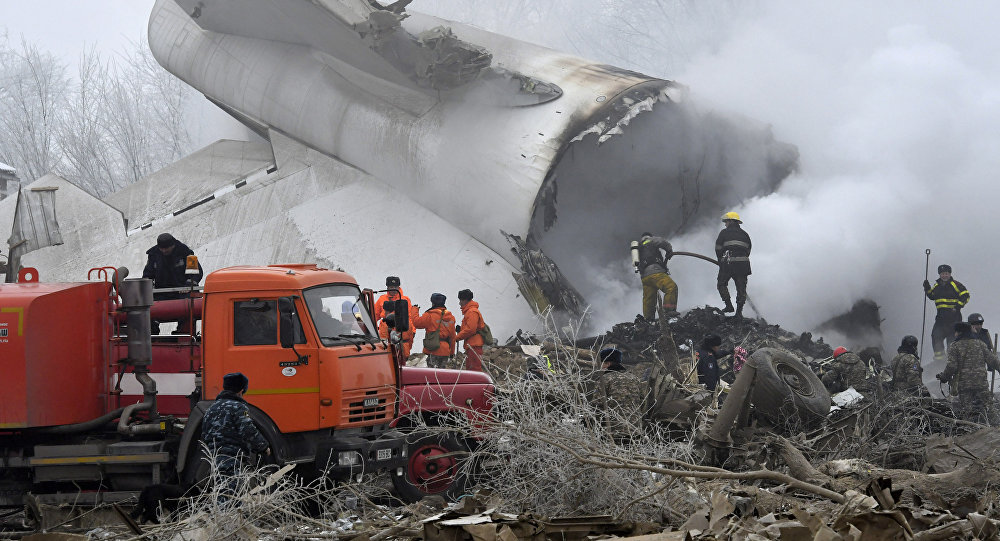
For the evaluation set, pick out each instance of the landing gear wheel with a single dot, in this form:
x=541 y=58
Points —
x=433 y=466
x=785 y=386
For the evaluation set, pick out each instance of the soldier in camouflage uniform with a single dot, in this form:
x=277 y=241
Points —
x=907 y=374
x=848 y=370
x=228 y=431
x=968 y=360
x=621 y=393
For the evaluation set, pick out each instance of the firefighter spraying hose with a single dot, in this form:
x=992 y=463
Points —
x=732 y=248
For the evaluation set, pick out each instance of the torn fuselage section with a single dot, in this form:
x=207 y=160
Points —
x=543 y=286
x=649 y=160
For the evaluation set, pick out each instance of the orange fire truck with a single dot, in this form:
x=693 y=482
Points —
x=93 y=406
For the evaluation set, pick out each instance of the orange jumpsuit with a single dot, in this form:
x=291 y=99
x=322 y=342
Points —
x=438 y=319
x=472 y=323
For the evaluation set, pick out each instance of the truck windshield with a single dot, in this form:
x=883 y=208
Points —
x=338 y=314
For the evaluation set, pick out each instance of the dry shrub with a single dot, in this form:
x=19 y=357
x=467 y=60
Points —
x=269 y=502
x=554 y=446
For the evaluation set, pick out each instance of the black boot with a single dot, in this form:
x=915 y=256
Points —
x=729 y=306
x=739 y=310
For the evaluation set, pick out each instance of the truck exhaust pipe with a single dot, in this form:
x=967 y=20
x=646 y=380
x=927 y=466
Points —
x=137 y=298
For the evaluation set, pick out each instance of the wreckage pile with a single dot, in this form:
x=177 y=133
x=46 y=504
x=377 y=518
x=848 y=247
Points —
x=637 y=338
x=559 y=460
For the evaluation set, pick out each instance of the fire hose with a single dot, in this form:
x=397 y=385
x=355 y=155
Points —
x=710 y=260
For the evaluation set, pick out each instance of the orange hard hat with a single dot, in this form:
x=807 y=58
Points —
x=839 y=351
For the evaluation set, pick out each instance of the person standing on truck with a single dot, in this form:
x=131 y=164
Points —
x=471 y=330
x=907 y=374
x=732 y=248
x=949 y=297
x=968 y=360
x=439 y=332
x=166 y=266
x=229 y=432
x=652 y=267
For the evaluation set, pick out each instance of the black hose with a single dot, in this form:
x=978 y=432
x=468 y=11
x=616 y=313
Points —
x=80 y=427
x=692 y=254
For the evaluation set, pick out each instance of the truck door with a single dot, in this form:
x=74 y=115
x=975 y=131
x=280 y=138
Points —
x=282 y=383
x=357 y=375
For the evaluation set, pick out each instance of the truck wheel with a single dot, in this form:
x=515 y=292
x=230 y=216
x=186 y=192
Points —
x=197 y=469
x=785 y=387
x=433 y=466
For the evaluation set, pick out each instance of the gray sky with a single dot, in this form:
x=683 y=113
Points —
x=66 y=27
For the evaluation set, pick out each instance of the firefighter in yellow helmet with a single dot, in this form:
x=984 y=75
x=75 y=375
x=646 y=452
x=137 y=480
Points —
x=732 y=247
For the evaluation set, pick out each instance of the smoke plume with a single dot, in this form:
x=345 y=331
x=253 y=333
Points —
x=893 y=107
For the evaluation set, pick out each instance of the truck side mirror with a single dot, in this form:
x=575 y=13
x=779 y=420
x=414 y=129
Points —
x=402 y=315
x=367 y=299
x=288 y=322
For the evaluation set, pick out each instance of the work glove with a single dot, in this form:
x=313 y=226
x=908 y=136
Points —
x=927 y=285
x=938 y=376
x=458 y=329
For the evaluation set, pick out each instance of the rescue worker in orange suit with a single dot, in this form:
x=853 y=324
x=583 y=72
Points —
x=469 y=330
x=406 y=340
x=949 y=296
x=652 y=267
x=732 y=248
x=439 y=332
x=393 y=293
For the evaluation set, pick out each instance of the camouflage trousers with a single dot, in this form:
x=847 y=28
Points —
x=977 y=406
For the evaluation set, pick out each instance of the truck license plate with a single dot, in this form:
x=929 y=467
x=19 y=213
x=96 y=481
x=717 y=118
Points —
x=383 y=454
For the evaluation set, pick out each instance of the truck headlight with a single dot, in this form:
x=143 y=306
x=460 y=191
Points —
x=348 y=458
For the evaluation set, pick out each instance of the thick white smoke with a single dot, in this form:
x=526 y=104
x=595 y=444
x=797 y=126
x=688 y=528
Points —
x=894 y=107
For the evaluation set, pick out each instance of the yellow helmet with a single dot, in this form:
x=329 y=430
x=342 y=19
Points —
x=731 y=216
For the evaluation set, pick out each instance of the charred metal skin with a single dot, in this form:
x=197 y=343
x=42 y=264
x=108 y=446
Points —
x=461 y=120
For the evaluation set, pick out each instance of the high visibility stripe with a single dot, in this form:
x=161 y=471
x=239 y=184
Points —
x=13 y=425
x=300 y=390
x=738 y=259
x=151 y=458
x=739 y=243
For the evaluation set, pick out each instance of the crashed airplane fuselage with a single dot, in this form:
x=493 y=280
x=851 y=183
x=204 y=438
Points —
x=550 y=160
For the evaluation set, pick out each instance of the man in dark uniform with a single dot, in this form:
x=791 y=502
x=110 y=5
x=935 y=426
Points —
x=652 y=267
x=732 y=248
x=229 y=432
x=976 y=321
x=968 y=360
x=708 y=356
x=166 y=265
x=949 y=297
